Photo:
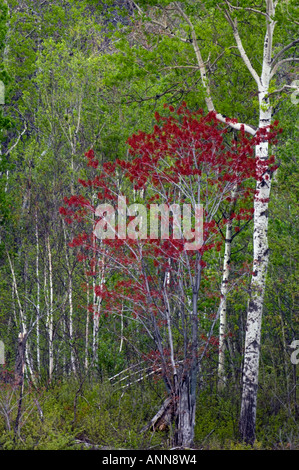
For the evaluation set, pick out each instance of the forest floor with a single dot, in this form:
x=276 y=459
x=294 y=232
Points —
x=66 y=416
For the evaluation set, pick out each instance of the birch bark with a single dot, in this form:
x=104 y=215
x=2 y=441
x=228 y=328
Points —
x=23 y=320
x=70 y=296
x=37 y=296
x=260 y=250
x=223 y=304
x=87 y=324
x=50 y=313
x=97 y=303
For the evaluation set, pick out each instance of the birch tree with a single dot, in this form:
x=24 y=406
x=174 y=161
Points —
x=223 y=292
x=38 y=293
x=49 y=297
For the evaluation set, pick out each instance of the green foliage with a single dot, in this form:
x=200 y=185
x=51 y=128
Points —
x=215 y=421
x=99 y=416
x=102 y=416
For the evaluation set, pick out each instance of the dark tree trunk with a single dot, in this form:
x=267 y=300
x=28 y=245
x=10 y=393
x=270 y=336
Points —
x=248 y=414
x=185 y=414
x=20 y=359
x=19 y=375
x=186 y=388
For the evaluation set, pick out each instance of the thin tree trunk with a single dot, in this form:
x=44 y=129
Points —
x=97 y=303
x=65 y=339
x=71 y=328
x=37 y=297
x=186 y=389
x=96 y=318
x=50 y=313
x=19 y=376
x=255 y=306
x=71 y=309
x=23 y=325
x=87 y=325
x=121 y=330
x=223 y=305
x=223 y=301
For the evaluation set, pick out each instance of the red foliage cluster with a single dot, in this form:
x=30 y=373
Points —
x=187 y=157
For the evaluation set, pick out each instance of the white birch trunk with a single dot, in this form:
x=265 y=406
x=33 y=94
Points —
x=95 y=325
x=87 y=325
x=65 y=338
x=73 y=362
x=50 y=314
x=223 y=304
x=23 y=321
x=97 y=304
x=223 y=293
x=96 y=317
x=37 y=297
x=260 y=255
x=121 y=330
x=255 y=306
x=71 y=309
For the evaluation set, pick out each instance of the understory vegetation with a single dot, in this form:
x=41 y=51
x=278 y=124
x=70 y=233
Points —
x=99 y=416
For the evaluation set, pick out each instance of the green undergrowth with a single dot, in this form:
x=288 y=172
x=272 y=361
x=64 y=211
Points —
x=98 y=416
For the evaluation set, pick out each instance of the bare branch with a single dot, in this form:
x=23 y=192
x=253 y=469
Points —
x=247 y=9
x=181 y=67
x=221 y=55
x=284 y=88
x=201 y=64
x=202 y=67
x=239 y=43
x=17 y=141
x=284 y=49
x=276 y=67
x=164 y=26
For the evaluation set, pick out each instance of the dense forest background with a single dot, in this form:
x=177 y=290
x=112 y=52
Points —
x=83 y=75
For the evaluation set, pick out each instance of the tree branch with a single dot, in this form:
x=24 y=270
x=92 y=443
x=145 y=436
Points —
x=239 y=43
x=221 y=55
x=201 y=64
x=285 y=87
x=284 y=49
x=276 y=67
x=17 y=141
x=247 y=9
x=208 y=99
x=164 y=26
x=202 y=68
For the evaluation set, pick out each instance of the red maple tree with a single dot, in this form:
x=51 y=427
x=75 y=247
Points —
x=188 y=159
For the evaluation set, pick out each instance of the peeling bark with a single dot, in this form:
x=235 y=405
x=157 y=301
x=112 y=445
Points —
x=260 y=252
